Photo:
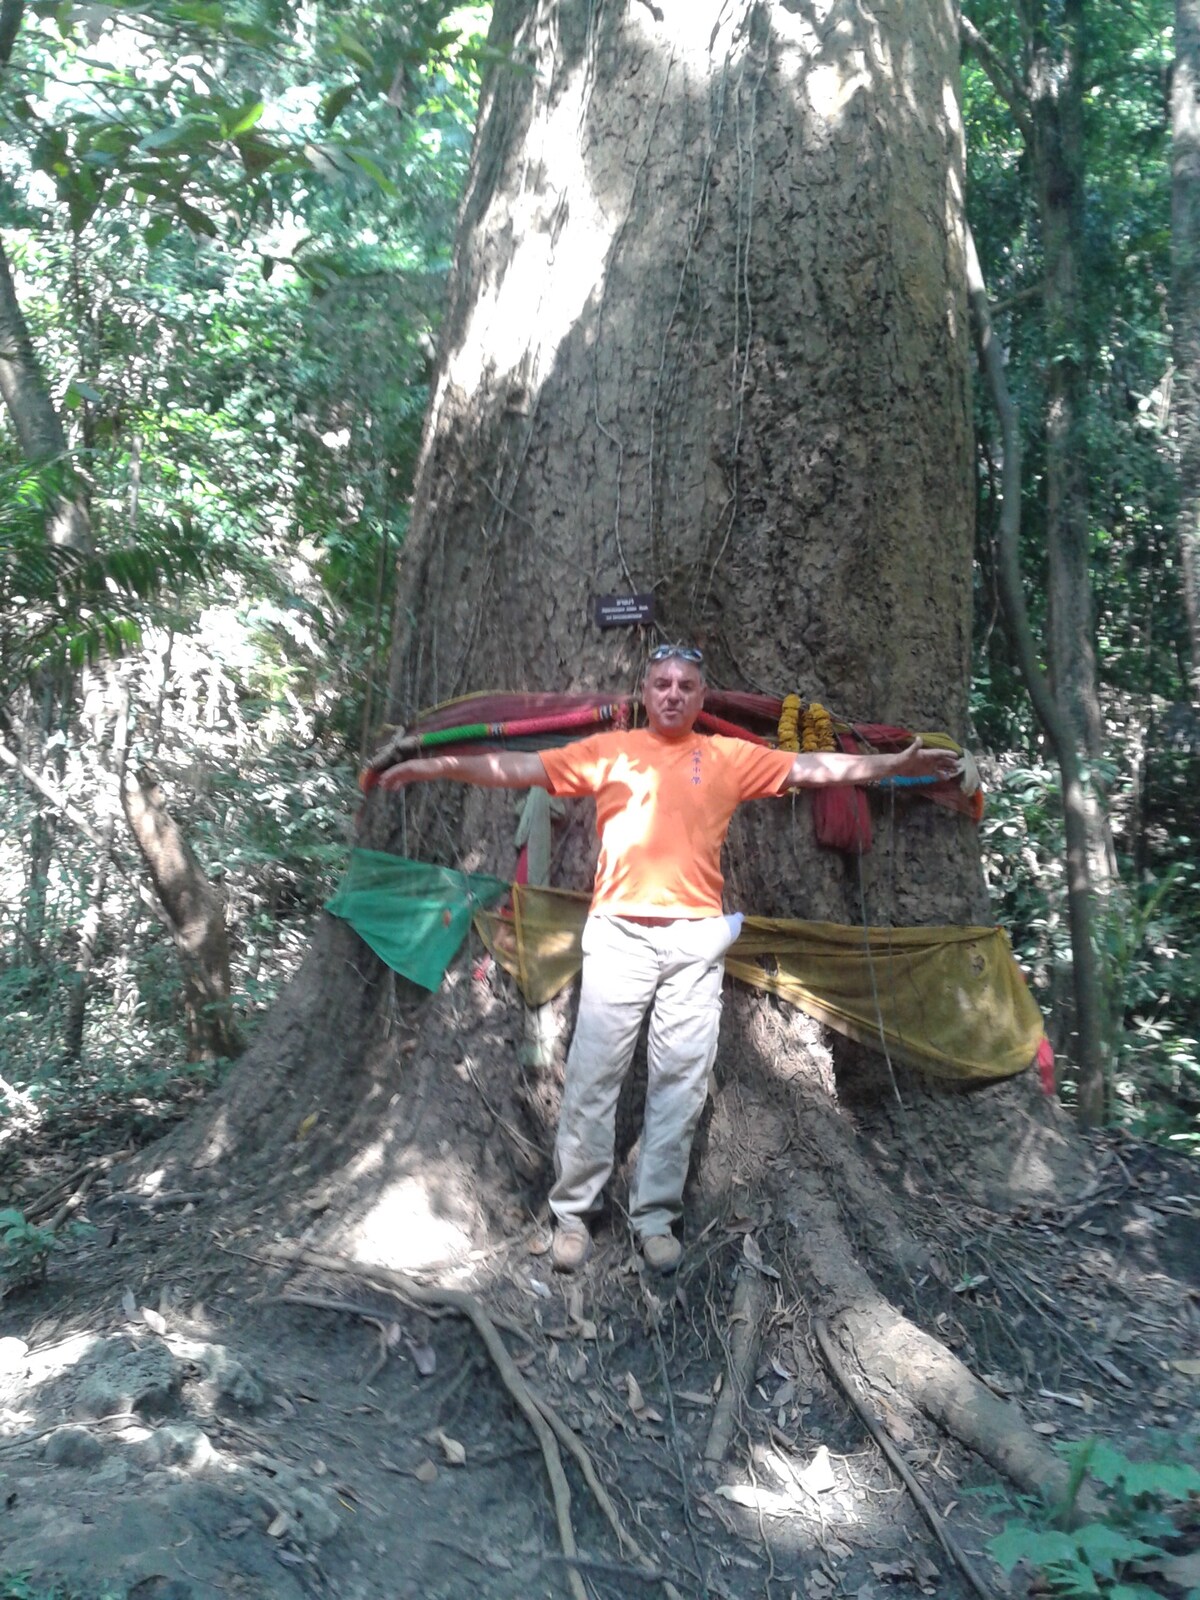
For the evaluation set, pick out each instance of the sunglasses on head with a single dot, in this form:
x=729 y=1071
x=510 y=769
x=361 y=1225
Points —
x=685 y=652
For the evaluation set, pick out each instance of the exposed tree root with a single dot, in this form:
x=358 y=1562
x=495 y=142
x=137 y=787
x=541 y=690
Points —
x=894 y=1353
x=745 y=1319
x=920 y=1498
x=548 y=1427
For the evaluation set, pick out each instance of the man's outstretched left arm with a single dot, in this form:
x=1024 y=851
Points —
x=820 y=769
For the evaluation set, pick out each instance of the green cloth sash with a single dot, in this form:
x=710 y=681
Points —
x=413 y=916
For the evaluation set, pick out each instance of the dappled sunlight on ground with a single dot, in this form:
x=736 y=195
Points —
x=405 y=1231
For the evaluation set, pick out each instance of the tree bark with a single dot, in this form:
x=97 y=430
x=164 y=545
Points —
x=1185 y=318
x=197 y=916
x=706 y=339
x=1056 y=97
x=1090 y=1031
x=35 y=421
x=1056 y=77
x=89 y=938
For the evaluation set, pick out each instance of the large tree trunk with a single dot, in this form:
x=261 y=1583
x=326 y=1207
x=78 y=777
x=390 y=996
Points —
x=707 y=339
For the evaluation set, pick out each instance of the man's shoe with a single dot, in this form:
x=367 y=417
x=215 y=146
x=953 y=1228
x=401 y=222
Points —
x=571 y=1247
x=662 y=1252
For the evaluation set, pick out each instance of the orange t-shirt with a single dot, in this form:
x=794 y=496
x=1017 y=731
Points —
x=662 y=812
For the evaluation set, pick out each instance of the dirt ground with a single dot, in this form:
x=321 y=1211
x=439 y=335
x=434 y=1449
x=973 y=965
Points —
x=173 y=1425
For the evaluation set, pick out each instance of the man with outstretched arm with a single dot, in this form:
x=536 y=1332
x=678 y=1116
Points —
x=656 y=933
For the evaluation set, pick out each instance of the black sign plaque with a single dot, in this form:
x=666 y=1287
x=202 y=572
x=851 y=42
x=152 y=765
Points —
x=623 y=610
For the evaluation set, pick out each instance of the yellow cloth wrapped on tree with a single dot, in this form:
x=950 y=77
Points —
x=950 y=1001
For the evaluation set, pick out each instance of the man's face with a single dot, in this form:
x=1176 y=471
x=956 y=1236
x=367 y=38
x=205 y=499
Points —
x=673 y=695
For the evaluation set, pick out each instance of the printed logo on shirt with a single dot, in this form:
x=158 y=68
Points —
x=696 y=760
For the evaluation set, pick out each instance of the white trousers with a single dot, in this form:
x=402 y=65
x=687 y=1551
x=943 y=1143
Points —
x=677 y=968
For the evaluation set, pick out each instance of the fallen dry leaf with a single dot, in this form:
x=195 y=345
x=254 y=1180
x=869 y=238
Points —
x=1189 y=1367
x=633 y=1393
x=454 y=1452
x=893 y=1571
x=577 y=1367
x=896 y=1426
x=754 y=1256
x=818 y=1476
x=279 y=1526
x=424 y=1358
x=426 y=1472
x=153 y=1320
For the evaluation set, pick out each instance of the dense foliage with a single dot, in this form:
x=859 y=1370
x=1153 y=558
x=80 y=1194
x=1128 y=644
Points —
x=229 y=231
x=1147 y=769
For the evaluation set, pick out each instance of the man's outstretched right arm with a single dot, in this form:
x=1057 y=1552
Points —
x=486 y=769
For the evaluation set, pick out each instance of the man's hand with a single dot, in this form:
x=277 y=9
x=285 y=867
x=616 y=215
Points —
x=918 y=762
x=402 y=774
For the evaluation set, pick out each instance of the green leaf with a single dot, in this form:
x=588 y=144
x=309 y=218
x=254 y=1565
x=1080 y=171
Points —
x=336 y=102
x=1171 y=1480
x=196 y=220
x=157 y=231
x=188 y=133
x=1103 y=1546
x=350 y=47
x=258 y=153
x=373 y=170
x=1020 y=1542
x=251 y=115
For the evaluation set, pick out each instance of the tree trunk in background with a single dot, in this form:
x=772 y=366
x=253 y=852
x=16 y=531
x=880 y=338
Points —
x=35 y=421
x=1185 y=272
x=89 y=939
x=1056 y=99
x=197 y=915
x=1055 y=91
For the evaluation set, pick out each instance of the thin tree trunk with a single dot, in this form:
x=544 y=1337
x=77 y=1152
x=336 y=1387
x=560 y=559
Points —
x=35 y=421
x=1056 y=100
x=197 y=915
x=1089 y=993
x=89 y=938
x=1185 y=274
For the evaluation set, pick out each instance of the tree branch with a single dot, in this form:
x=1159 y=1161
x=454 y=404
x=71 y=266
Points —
x=1003 y=79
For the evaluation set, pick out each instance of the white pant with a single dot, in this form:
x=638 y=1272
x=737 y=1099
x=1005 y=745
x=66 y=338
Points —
x=627 y=966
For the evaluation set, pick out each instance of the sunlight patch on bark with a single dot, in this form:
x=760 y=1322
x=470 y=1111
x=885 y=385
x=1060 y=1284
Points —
x=556 y=267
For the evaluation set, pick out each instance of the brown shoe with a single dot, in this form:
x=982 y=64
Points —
x=662 y=1253
x=571 y=1247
